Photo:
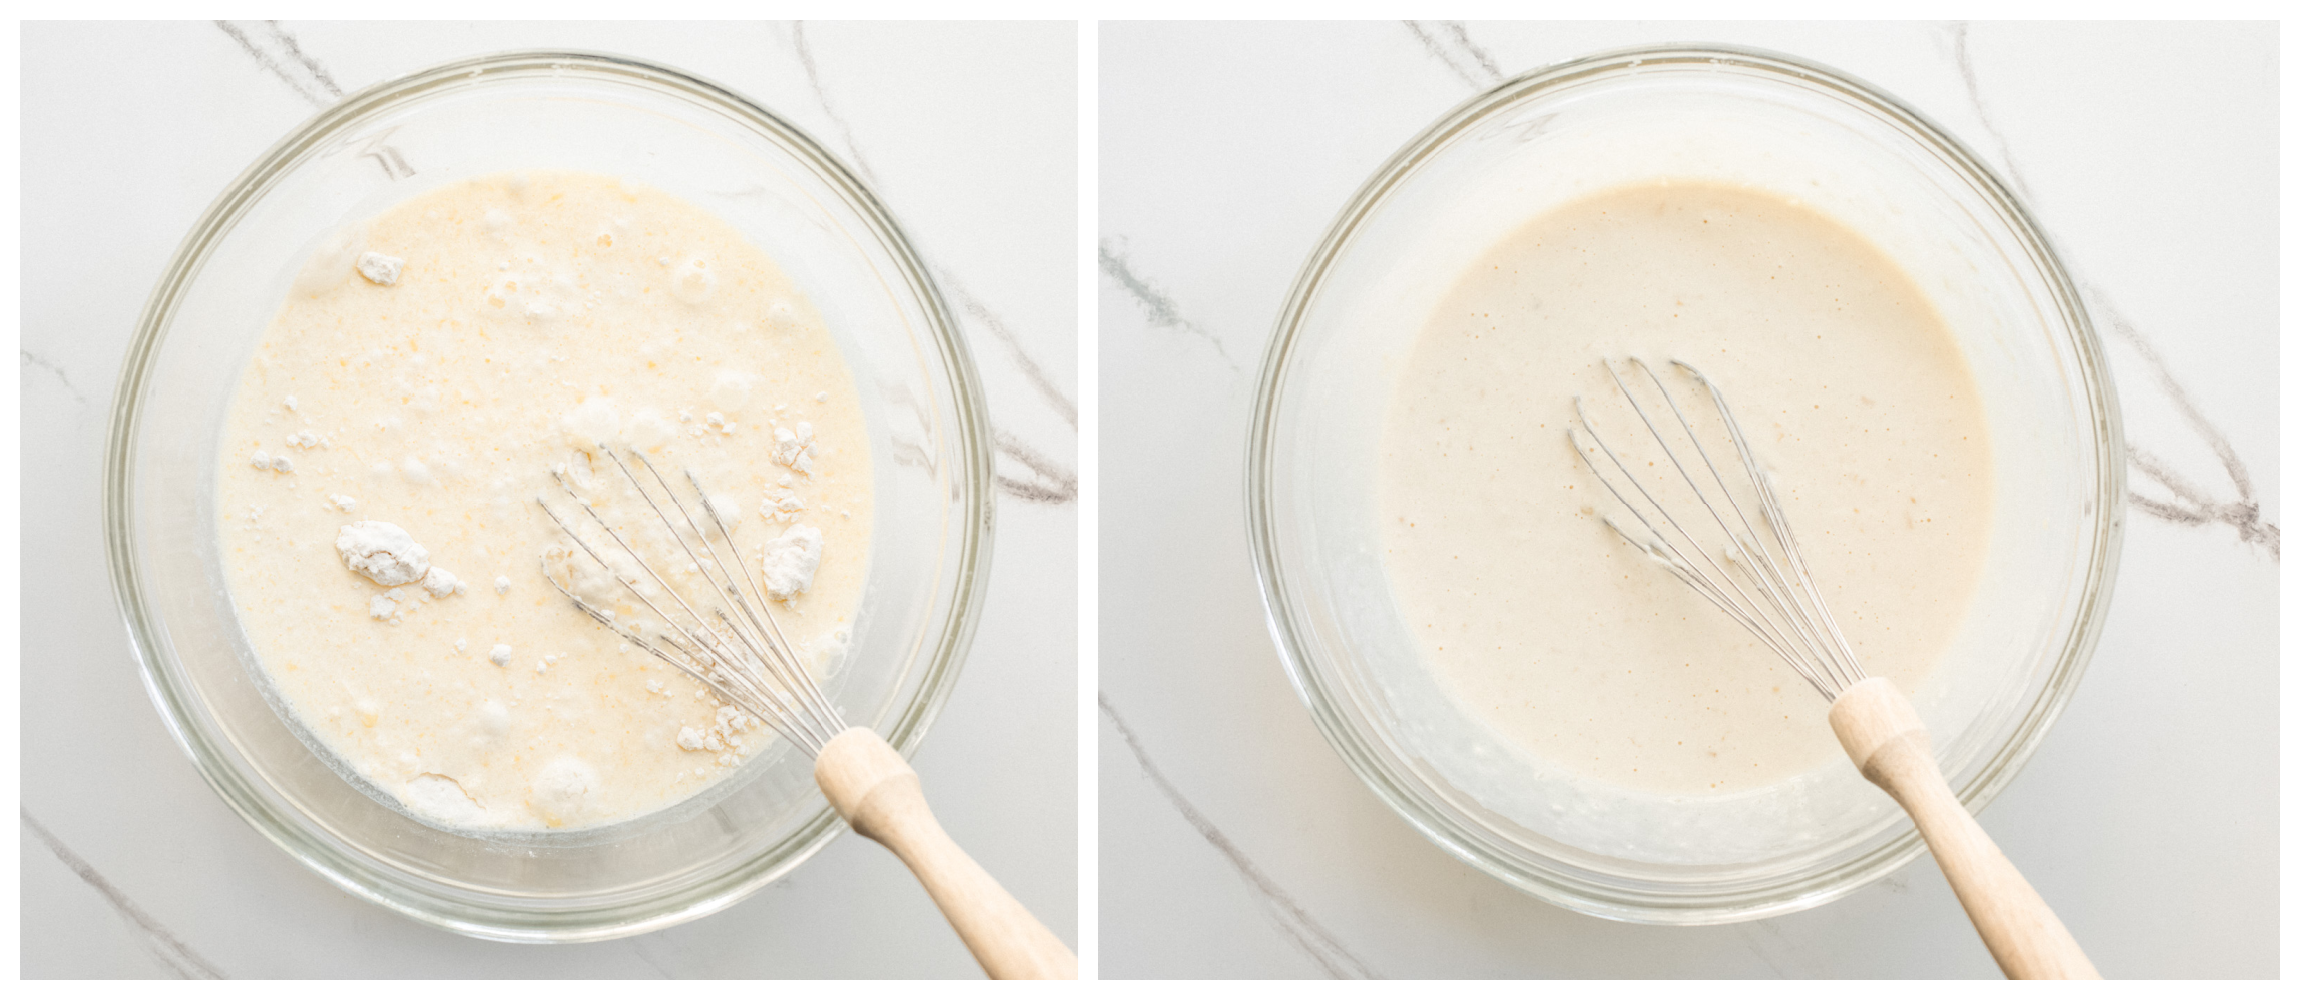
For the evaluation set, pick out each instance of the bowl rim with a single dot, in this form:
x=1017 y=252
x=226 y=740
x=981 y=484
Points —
x=943 y=646
x=1989 y=777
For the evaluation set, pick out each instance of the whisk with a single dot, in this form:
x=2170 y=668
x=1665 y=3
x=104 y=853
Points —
x=721 y=632
x=1750 y=568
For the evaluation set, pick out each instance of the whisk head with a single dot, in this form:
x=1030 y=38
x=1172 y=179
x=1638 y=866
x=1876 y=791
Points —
x=717 y=625
x=1727 y=537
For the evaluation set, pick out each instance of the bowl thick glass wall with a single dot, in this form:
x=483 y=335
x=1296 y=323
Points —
x=605 y=115
x=1716 y=115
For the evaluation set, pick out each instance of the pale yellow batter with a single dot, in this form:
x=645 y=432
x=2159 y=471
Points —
x=1559 y=635
x=427 y=375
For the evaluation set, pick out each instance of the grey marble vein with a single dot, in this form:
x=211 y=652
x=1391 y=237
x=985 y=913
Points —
x=172 y=952
x=1054 y=473
x=1157 y=306
x=639 y=948
x=1784 y=954
x=1314 y=940
x=823 y=98
x=1055 y=483
x=1748 y=936
x=32 y=360
x=1051 y=482
x=1449 y=43
x=2191 y=505
x=974 y=307
x=277 y=52
x=1961 y=51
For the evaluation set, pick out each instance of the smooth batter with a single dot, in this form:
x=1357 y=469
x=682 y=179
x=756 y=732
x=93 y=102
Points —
x=427 y=375
x=1556 y=633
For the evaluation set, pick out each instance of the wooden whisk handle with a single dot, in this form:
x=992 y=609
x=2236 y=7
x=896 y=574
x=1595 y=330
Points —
x=1887 y=741
x=878 y=794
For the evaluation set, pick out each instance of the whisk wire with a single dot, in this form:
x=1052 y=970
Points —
x=1781 y=605
x=708 y=677
x=1772 y=509
x=750 y=668
x=1746 y=551
x=1749 y=546
x=700 y=663
x=1836 y=655
x=772 y=654
x=808 y=689
x=705 y=638
x=1756 y=627
x=1747 y=611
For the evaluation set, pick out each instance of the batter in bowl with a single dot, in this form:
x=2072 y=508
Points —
x=1561 y=637
x=383 y=453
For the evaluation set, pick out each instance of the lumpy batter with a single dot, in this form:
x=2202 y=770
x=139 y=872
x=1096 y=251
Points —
x=381 y=459
x=1559 y=635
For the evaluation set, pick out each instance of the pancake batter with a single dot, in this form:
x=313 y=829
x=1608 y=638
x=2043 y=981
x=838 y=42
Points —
x=1558 y=634
x=381 y=459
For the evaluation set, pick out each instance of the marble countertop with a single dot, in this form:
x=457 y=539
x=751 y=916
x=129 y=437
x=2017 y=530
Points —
x=131 y=867
x=2149 y=817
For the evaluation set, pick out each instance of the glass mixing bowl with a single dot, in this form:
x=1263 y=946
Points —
x=1720 y=115
x=603 y=114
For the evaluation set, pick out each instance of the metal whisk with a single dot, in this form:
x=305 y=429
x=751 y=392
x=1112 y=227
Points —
x=721 y=631
x=1762 y=582
x=1751 y=570
x=741 y=657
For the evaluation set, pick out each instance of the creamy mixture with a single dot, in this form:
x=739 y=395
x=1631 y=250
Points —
x=382 y=457
x=1559 y=635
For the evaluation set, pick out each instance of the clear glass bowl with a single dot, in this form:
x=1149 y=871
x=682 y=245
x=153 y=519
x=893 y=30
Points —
x=1716 y=114
x=609 y=115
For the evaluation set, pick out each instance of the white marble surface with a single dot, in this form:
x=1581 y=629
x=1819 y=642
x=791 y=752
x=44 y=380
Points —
x=1235 y=842
x=132 y=867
